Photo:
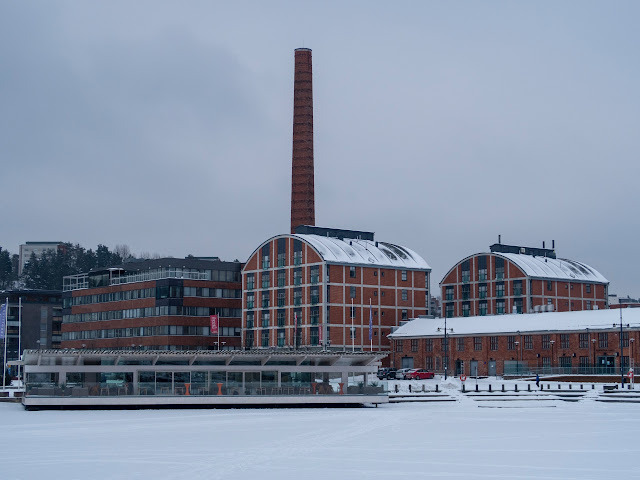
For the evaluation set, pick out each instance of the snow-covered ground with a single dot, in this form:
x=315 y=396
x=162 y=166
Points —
x=521 y=439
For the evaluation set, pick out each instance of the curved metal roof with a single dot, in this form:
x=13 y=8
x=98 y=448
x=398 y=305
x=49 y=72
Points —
x=364 y=252
x=555 y=268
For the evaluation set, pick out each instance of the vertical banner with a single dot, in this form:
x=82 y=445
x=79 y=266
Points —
x=370 y=321
x=295 y=330
x=3 y=320
x=213 y=320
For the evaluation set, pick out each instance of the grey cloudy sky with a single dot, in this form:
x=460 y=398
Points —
x=166 y=126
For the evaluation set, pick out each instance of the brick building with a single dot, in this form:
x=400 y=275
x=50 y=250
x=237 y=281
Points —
x=581 y=342
x=162 y=304
x=329 y=280
x=512 y=279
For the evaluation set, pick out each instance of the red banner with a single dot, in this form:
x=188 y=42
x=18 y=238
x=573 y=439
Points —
x=213 y=319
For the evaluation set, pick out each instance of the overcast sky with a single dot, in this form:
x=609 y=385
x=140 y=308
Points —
x=166 y=126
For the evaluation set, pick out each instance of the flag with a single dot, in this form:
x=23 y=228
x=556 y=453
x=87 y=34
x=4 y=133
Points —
x=213 y=320
x=370 y=322
x=3 y=319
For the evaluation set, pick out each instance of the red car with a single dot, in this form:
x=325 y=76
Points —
x=419 y=375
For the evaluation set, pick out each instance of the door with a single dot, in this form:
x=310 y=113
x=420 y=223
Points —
x=492 y=368
x=407 y=362
x=459 y=367
x=474 y=368
x=606 y=364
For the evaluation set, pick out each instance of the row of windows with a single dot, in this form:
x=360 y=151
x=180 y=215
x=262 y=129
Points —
x=513 y=342
x=152 y=312
x=281 y=338
x=110 y=297
x=212 y=292
x=159 y=330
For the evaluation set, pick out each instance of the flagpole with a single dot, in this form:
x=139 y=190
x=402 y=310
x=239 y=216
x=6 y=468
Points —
x=19 y=336
x=4 y=363
x=353 y=333
x=370 y=325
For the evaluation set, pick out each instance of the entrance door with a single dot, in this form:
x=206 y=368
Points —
x=492 y=368
x=606 y=364
x=407 y=362
x=459 y=367
x=474 y=368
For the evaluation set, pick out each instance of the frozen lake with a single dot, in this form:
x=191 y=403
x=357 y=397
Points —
x=464 y=439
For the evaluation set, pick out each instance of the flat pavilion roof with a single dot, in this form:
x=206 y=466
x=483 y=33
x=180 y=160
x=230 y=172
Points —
x=231 y=358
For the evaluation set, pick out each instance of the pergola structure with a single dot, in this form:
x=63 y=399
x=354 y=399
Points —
x=77 y=378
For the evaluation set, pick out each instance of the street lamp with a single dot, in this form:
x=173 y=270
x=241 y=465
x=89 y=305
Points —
x=446 y=345
x=593 y=342
x=552 y=342
x=517 y=343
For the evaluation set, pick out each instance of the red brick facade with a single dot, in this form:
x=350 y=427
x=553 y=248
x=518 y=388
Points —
x=300 y=284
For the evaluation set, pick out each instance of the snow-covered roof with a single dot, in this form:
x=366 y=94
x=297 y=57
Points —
x=364 y=252
x=554 y=268
x=523 y=323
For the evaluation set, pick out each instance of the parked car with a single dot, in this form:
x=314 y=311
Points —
x=400 y=374
x=386 y=373
x=419 y=375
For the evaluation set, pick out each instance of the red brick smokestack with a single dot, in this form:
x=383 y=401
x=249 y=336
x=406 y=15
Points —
x=303 y=210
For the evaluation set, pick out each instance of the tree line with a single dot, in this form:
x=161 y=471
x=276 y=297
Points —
x=45 y=271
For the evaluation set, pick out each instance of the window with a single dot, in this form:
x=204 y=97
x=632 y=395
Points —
x=398 y=345
x=482 y=274
x=281 y=298
x=281 y=319
x=250 y=300
x=603 y=340
x=466 y=276
x=266 y=318
x=588 y=304
x=265 y=338
x=483 y=308
x=500 y=289
x=499 y=268
x=314 y=273
x=546 y=342
x=588 y=288
x=405 y=296
x=297 y=277
x=251 y=279
x=297 y=297
x=265 y=280
x=250 y=318
x=429 y=363
x=584 y=363
x=477 y=343
x=584 y=340
x=460 y=344
x=494 y=343
x=265 y=264
x=625 y=339
x=466 y=309
x=517 y=288
x=281 y=277
x=297 y=257
x=449 y=310
x=282 y=259
x=265 y=300
x=444 y=346
x=528 y=342
x=500 y=307
x=352 y=272
x=414 y=345
x=403 y=275
x=466 y=292
x=564 y=340
x=546 y=363
x=352 y=292
x=315 y=295
x=482 y=291
x=404 y=315
x=565 y=362
x=511 y=342
x=449 y=293
x=281 y=337
x=428 y=345
x=549 y=285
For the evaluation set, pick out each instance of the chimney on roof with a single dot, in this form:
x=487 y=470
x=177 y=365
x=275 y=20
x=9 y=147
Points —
x=302 y=175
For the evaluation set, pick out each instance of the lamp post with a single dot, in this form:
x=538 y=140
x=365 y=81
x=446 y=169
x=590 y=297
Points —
x=517 y=344
x=552 y=342
x=446 y=345
x=632 y=363
x=621 y=350
x=593 y=342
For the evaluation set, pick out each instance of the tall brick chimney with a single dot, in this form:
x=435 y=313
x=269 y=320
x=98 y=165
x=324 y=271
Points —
x=303 y=210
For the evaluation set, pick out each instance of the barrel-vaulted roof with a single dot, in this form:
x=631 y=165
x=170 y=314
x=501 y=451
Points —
x=364 y=252
x=547 y=267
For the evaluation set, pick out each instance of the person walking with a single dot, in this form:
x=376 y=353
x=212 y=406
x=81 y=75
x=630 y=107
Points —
x=537 y=380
